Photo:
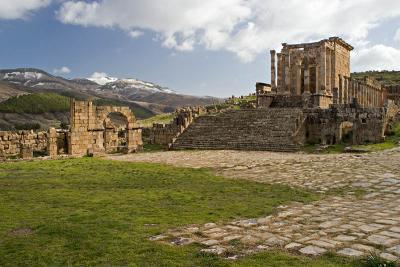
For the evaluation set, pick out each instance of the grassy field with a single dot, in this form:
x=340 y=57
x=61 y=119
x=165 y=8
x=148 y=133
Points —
x=93 y=212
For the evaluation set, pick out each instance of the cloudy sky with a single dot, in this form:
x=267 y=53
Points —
x=201 y=47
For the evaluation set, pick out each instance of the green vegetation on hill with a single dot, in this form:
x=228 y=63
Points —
x=139 y=111
x=74 y=213
x=35 y=103
x=38 y=103
x=161 y=118
x=242 y=102
x=386 y=77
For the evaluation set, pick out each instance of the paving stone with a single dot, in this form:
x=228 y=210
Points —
x=382 y=240
x=350 y=252
x=214 y=250
x=345 y=238
x=395 y=250
x=364 y=248
x=388 y=256
x=322 y=244
x=390 y=234
x=293 y=245
x=371 y=227
x=250 y=240
x=312 y=250
x=210 y=242
x=390 y=222
x=231 y=237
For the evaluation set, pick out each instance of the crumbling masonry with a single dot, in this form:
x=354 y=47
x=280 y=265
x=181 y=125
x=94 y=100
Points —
x=91 y=132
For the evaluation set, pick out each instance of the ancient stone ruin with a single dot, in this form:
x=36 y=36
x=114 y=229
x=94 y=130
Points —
x=93 y=130
x=311 y=100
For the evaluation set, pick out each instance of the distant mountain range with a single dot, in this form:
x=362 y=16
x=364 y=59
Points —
x=146 y=94
x=144 y=98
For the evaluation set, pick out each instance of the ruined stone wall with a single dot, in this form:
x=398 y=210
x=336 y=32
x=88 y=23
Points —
x=23 y=144
x=393 y=93
x=361 y=125
x=164 y=134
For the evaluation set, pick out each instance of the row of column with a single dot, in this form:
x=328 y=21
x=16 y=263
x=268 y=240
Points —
x=367 y=96
x=281 y=72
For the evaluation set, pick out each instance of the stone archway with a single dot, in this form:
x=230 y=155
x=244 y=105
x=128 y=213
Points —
x=115 y=133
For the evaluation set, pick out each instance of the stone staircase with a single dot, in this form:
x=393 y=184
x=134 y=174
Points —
x=252 y=129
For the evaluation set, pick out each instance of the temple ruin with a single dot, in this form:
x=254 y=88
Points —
x=311 y=100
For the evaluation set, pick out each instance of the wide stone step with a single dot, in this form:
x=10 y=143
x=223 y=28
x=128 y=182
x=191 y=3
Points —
x=243 y=130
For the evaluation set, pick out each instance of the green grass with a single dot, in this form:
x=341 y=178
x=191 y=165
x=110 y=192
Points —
x=93 y=212
x=35 y=103
x=161 y=118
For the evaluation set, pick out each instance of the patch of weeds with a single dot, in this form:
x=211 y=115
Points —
x=375 y=260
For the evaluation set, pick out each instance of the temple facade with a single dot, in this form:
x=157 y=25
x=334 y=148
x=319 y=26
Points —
x=317 y=75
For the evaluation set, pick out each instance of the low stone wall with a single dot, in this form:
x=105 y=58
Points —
x=23 y=144
x=13 y=142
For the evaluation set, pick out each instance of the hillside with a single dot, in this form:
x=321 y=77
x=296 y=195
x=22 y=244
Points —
x=386 y=77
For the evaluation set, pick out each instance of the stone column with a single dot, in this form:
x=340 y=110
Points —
x=286 y=56
x=298 y=79
x=273 y=70
x=346 y=92
x=340 y=89
x=322 y=76
x=281 y=74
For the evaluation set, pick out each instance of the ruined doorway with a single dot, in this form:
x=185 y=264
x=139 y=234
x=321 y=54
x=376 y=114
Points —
x=346 y=132
x=115 y=133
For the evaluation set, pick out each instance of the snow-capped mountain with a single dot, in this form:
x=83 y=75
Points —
x=100 y=85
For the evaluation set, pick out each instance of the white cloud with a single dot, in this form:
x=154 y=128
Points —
x=377 y=57
x=244 y=27
x=62 y=70
x=19 y=9
x=397 y=35
x=135 y=34
x=101 y=78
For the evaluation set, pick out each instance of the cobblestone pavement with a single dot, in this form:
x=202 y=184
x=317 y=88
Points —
x=348 y=224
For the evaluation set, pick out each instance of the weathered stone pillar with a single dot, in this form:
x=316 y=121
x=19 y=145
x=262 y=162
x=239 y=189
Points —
x=281 y=74
x=346 y=91
x=134 y=140
x=52 y=143
x=322 y=76
x=335 y=95
x=298 y=79
x=273 y=70
x=340 y=89
x=307 y=79
x=286 y=56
